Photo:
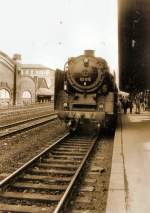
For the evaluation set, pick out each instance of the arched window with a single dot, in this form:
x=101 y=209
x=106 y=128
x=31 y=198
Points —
x=4 y=94
x=26 y=95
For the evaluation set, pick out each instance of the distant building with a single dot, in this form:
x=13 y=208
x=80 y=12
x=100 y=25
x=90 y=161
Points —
x=7 y=69
x=43 y=79
x=24 y=83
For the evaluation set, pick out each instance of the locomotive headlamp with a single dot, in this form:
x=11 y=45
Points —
x=65 y=105
x=86 y=62
x=65 y=87
x=101 y=107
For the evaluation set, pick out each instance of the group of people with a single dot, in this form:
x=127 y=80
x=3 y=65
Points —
x=126 y=103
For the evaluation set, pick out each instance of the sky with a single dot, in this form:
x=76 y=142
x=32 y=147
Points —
x=48 y=32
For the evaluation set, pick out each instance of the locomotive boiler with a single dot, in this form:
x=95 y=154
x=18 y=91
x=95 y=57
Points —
x=86 y=92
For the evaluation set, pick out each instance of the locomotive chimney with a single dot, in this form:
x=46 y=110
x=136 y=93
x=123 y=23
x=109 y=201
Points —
x=89 y=53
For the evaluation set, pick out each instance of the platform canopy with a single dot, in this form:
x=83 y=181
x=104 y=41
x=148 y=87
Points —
x=44 y=92
x=122 y=93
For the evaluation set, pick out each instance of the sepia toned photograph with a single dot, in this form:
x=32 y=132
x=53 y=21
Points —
x=74 y=106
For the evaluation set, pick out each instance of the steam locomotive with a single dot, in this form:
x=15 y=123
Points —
x=86 y=92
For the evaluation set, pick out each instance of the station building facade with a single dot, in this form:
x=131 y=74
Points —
x=24 y=83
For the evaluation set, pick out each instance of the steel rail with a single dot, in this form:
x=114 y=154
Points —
x=5 y=111
x=64 y=198
x=62 y=203
x=25 y=121
x=6 y=181
x=4 y=135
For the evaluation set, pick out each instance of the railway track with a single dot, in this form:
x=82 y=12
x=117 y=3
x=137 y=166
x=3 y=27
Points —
x=23 y=125
x=45 y=183
x=22 y=111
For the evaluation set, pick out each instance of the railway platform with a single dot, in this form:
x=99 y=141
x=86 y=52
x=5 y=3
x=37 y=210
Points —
x=129 y=188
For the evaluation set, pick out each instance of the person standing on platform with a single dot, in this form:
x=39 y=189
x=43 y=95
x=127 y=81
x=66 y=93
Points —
x=137 y=104
x=143 y=105
x=130 y=105
x=119 y=106
x=124 y=105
